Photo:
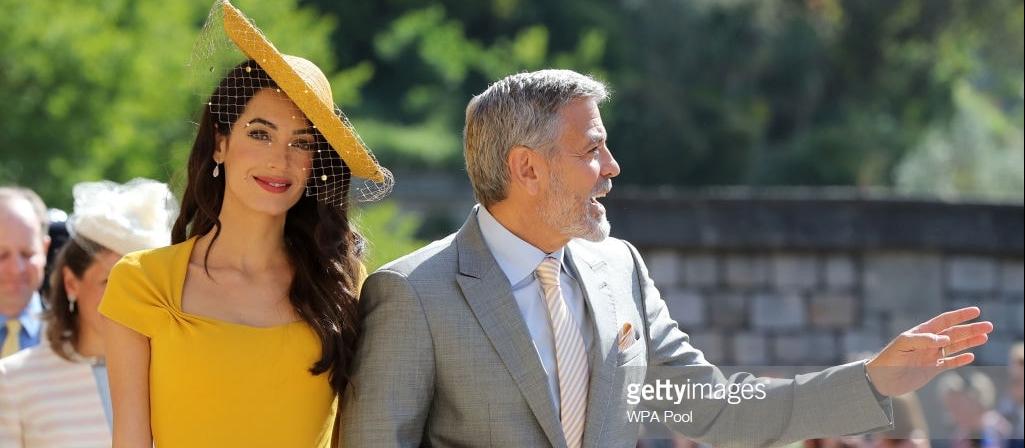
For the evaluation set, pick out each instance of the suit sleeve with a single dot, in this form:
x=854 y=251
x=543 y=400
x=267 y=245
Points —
x=832 y=402
x=392 y=381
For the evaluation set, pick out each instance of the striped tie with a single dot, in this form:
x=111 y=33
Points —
x=569 y=354
x=11 y=343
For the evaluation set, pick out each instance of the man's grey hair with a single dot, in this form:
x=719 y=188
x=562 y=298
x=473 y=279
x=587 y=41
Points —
x=520 y=109
x=12 y=193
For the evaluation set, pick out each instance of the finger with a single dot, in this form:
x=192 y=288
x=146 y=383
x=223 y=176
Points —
x=965 y=344
x=953 y=362
x=949 y=319
x=960 y=332
x=921 y=341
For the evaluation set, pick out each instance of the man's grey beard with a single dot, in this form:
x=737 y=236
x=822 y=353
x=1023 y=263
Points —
x=570 y=214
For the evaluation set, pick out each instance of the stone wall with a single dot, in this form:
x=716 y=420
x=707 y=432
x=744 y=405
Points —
x=803 y=278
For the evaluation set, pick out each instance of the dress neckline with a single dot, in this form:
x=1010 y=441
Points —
x=181 y=272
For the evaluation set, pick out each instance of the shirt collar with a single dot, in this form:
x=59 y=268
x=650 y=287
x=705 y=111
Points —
x=30 y=316
x=517 y=258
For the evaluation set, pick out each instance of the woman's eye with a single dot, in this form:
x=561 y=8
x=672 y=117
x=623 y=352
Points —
x=304 y=145
x=259 y=135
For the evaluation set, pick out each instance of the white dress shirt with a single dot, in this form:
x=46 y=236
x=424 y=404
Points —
x=518 y=259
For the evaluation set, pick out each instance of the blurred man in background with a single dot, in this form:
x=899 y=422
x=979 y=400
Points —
x=24 y=241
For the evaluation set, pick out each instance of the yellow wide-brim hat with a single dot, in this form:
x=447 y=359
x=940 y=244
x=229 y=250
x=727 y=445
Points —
x=308 y=88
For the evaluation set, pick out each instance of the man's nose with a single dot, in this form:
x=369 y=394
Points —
x=609 y=166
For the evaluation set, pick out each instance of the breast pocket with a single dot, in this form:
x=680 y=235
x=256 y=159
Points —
x=634 y=354
x=629 y=342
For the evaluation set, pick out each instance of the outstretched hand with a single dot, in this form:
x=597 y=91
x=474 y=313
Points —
x=916 y=356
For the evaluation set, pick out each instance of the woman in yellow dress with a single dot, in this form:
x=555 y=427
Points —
x=240 y=333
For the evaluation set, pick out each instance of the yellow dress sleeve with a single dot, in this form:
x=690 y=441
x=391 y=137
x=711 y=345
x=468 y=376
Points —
x=133 y=299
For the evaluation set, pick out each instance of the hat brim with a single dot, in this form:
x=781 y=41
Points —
x=340 y=136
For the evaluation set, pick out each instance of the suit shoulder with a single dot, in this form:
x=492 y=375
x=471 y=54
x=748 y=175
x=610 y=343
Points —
x=431 y=257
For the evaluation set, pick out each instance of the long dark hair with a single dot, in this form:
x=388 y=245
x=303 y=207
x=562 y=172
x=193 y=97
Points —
x=62 y=326
x=323 y=247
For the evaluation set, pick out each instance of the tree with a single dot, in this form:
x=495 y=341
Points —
x=755 y=92
x=97 y=90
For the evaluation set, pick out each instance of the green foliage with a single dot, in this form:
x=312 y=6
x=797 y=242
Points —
x=429 y=60
x=977 y=153
x=755 y=92
x=776 y=92
x=98 y=89
x=389 y=232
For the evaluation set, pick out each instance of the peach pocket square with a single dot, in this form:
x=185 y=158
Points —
x=627 y=336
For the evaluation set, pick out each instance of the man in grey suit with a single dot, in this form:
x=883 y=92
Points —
x=531 y=327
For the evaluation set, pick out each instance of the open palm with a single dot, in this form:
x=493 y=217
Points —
x=916 y=356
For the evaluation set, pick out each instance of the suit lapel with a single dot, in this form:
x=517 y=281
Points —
x=591 y=271
x=490 y=296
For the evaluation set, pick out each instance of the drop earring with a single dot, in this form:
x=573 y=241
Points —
x=217 y=169
x=71 y=303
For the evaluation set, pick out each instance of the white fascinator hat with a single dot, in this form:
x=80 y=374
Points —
x=123 y=217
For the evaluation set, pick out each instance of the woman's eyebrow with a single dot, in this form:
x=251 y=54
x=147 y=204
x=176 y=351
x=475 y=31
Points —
x=303 y=131
x=263 y=122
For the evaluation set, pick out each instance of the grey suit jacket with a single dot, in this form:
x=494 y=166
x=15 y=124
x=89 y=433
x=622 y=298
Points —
x=445 y=359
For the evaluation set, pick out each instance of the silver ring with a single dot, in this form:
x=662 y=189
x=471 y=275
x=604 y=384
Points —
x=943 y=352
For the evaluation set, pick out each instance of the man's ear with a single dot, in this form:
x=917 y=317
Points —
x=525 y=168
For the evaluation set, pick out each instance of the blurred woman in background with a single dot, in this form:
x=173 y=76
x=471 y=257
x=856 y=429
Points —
x=56 y=394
